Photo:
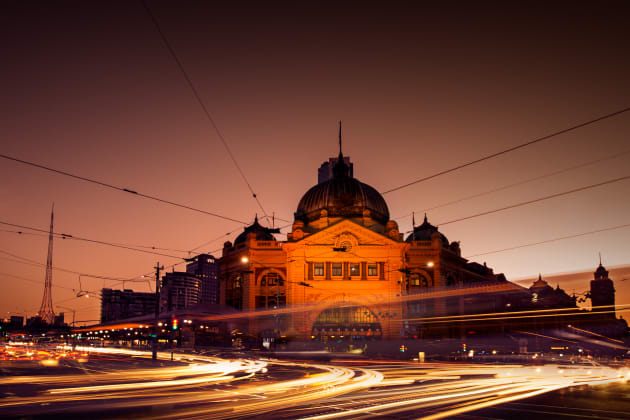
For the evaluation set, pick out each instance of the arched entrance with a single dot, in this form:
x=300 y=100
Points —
x=346 y=323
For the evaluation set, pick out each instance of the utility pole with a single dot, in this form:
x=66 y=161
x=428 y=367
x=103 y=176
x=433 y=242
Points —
x=157 y=308
x=277 y=309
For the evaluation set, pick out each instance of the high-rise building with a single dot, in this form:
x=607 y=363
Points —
x=179 y=291
x=59 y=319
x=206 y=269
x=122 y=304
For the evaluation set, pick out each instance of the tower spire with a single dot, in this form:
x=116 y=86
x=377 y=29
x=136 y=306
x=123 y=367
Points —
x=340 y=154
x=413 y=219
x=600 y=258
x=340 y=169
x=46 y=312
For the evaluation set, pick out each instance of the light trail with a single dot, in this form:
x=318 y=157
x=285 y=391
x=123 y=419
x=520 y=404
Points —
x=199 y=386
x=502 y=384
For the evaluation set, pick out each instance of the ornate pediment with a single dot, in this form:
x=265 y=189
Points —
x=347 y=232
x=346 y=240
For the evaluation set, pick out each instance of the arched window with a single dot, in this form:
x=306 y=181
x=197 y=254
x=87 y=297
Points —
x=272 y=293
x=272 y=279
x=358 y=322
x=234 y=292
x=417 y=280
x=450 y=280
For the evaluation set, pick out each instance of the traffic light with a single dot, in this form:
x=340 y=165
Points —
x=403 y=348
x=174 y=324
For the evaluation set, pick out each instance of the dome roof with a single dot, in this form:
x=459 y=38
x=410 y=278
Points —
x=262 y=233
x=342 y=196
x=539 y=284
x=601 y=272
x=424 y=232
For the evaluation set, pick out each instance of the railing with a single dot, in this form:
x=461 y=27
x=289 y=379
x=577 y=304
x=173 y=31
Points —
x=268 y=244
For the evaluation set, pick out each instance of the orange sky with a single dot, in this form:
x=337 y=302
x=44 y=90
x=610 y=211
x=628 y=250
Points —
x=91 y=89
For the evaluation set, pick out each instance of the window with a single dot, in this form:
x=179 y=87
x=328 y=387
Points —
x=271 y=279
x=355 y=269
x=416 y=280
x=336 y=269
x=372 y=270
x=318 y=269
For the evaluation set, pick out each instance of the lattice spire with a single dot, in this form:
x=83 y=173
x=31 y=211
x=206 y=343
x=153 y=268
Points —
x=46 y=311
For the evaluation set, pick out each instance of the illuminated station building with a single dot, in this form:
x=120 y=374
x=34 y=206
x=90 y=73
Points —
x=346 y=275
x=347 y=272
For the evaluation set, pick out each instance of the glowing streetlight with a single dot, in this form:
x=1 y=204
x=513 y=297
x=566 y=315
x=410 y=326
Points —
x=244 y=259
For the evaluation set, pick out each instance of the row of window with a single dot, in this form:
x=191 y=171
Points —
x=337 y=269
x=328 y=270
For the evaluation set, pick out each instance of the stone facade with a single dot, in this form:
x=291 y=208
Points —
x=345 y=270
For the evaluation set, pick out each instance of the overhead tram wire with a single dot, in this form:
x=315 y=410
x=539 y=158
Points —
x=114 y=187
x=35 y=263
x=114 y=243
x=577 y=235
x=200 y=101
x=34 y=281
x=19 y=232
x=172 y=266
x=511 y=149
x=505 y=187
x=212 y=241
x=524 y=203
x=78 y=238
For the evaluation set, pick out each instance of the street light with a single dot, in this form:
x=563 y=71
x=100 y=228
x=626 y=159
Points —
x=82 y=292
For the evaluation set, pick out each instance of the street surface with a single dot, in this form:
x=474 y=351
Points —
x=122 y=383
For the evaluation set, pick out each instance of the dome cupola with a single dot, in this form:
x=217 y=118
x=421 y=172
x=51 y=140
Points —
x=342 y=196
x=262 y=233
x=424 y=233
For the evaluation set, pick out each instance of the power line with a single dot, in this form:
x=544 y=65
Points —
x=115 y=243
x=511 y=149
x=212 y=240
x=524 y=203
x=114 y=187
x=34 y=281
x=229 y=233
x=35 y=263
x=201 y=103
x=614 y=156
x=78 y=238
x=577 y=235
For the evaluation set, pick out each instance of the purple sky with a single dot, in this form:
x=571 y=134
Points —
x=89 y=88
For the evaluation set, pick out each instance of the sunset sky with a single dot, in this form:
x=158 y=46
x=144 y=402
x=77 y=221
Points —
x=91 y=89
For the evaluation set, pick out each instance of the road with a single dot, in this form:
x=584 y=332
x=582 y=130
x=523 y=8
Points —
x=112 y=383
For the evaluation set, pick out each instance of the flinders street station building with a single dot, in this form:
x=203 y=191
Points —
x=347 y=278
x=347 y=273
